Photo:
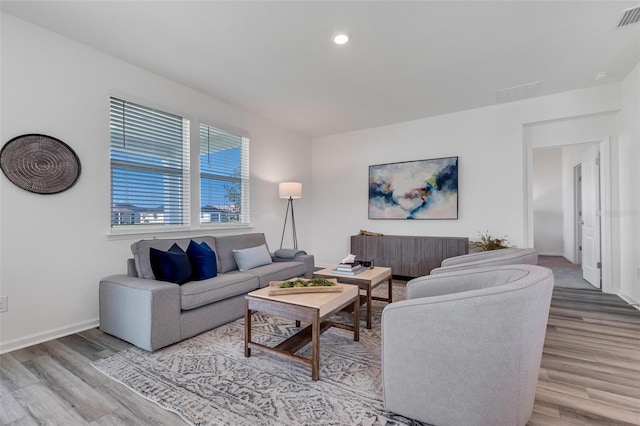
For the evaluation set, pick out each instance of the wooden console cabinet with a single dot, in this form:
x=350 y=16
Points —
x=409 y=256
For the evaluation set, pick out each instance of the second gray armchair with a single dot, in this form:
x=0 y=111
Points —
x=465 y=347
x=510 y=256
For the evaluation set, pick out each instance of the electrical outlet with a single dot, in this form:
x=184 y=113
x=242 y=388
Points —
x=4 y=303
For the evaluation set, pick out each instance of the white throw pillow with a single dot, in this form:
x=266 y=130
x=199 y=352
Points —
x=252 y=257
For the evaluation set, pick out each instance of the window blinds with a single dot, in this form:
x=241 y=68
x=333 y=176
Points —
x=224 y=176
x=149 y=166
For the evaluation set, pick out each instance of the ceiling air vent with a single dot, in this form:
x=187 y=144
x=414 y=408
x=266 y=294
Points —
x=517 y=93
x=630 y=16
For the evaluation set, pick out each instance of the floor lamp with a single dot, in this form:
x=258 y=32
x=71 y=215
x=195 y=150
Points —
x=291 y=191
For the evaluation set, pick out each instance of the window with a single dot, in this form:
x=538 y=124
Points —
x=149 y=166
x=224 y=176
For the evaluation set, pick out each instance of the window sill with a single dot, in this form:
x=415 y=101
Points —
x=178 y=231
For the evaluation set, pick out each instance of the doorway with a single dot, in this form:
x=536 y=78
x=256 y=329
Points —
x=565 y=207
x=566 y=132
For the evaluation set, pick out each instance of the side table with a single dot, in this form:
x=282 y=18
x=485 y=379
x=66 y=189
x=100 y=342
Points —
x=366 y=280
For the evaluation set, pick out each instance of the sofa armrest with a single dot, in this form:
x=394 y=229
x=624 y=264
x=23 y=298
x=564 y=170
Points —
x=141 y=311
x=307 y=259
x=132 y=271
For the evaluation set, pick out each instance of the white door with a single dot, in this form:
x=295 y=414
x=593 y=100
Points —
x=591 y=215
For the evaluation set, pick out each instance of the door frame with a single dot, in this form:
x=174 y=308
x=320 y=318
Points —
x=606 y=283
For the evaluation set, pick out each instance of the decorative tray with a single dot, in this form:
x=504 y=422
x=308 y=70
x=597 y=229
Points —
x=276 y=290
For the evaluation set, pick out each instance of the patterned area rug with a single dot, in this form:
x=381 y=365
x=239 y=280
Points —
x=208 y=381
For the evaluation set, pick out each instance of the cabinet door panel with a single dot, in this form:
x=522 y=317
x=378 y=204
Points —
x=420 y=255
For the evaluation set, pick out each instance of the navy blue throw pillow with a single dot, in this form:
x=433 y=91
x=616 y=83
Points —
x=203 y=261
x=172 y=265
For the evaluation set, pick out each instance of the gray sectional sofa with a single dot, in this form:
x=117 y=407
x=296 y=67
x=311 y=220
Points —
x=152 y=314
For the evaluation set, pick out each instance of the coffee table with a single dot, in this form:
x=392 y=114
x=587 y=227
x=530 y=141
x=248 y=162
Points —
x=312 y=308
x=366 y=280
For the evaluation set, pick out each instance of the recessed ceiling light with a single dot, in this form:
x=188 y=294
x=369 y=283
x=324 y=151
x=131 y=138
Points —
x=341 y=38
x=601 y=76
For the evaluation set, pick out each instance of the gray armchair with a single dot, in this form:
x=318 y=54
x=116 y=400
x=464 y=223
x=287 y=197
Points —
x=465 y=347
x=510 y=256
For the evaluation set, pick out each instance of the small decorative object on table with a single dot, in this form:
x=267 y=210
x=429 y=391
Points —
x=350 y=258
x=370 y=234
x=302 y=285
x=349 y=266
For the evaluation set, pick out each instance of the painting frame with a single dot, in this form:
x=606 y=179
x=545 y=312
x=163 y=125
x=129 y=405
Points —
x=414 y=190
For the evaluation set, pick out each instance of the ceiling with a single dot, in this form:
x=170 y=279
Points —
x=405 y=60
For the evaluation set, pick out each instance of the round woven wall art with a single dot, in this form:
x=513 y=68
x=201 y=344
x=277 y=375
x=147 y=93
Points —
x=40 y=163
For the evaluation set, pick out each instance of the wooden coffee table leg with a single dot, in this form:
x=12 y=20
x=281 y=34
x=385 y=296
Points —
x=369 y=307
x=390 y=289
x=356 y=319
x=315 y=351
x=247 y=329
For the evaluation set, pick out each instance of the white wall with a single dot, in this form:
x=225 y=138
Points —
x=489 y=143
x=55 y=248
x=572 y=130
x=626 y=217
x=547 y=201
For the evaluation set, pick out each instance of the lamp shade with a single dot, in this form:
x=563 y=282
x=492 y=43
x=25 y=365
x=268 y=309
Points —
x=290 y=190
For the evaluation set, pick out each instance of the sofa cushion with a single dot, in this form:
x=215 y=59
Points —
x=172 y=265
x=278 y=271
x=252 y=257
x=225 y=246
x=199 y=293
x=141 y=256
x=203 y=261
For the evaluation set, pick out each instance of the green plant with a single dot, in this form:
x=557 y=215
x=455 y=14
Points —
x=301 y=282
x=489 y=242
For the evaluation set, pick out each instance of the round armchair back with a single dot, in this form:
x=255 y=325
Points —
x=465 y=347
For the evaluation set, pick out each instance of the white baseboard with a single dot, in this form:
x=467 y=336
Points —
x=630 y=300
x=546 y=253
x=34 y=339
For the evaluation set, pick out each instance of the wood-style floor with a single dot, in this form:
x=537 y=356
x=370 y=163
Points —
x=590 y=373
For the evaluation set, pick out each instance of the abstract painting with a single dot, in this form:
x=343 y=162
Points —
x=423 y=189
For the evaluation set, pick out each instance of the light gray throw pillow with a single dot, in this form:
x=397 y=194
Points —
x=252 y=257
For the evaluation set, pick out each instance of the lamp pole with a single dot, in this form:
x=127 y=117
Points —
x=290 y=190
x=293 y=224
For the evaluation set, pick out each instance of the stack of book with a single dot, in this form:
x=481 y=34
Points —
x=349 y=268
